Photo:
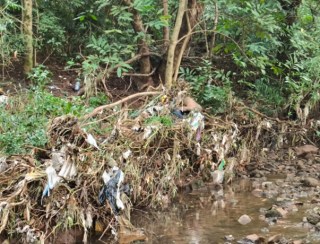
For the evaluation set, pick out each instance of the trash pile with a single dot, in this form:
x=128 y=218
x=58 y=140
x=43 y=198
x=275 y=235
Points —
x=96 y=169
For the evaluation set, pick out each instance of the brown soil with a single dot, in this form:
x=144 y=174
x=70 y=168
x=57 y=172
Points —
x=63 y=81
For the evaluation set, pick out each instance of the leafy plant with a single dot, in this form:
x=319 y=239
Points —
x=40 y=76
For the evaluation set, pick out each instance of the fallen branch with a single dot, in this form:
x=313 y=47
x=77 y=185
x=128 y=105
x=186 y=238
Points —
x=101 y=108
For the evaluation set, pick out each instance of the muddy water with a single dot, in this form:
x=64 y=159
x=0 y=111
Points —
x=197 y=218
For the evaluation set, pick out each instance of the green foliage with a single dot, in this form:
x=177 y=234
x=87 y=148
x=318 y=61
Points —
x=211 y=87
x=40 y=76
x=11 y=39
x=51 y=37
x=164 y=120
x=23 y=124
x=98 y=100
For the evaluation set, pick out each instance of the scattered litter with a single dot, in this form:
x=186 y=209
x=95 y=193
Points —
x=126 y=154
x=54 y=87
x=218 y=175
x=90 y=139
x=196 y=122
x=4 y=99
x=77 y=85
x=31 y=234
x=53 y=179
x=148 y=131
x=111 y=190
x=154 y=110
x=3 y=164
x=178 y=113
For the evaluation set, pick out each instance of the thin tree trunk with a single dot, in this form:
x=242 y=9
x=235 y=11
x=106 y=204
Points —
x=166 y=28
x=178 y=56
x=173 y=44
x=27 y=31
x=145 y=64
x=213 y=38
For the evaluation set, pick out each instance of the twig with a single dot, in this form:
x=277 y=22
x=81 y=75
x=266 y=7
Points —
x=103 y=233
x=101 y=108
x=137 y=74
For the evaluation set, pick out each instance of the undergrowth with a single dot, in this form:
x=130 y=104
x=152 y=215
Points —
x=24 y=119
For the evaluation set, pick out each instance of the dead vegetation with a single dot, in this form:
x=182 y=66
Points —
x=158 y=152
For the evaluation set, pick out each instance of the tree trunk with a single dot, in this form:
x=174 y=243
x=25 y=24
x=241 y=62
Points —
x=145 y=64
x=180 y=40
x=173 y=44
x=27 y=31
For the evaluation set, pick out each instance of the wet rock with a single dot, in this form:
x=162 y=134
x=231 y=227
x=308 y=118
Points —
x=257 y=192
x=244 y=219
x=256 y=174
x=274 y=239
x=273 y=213
x=300 y=165
x=313 y=218
x=315 y=200
x=310 y=182
x=229 y=238
x=297 y=242
x=306 y=149
x=254 y=238
x=266 y=184
x=282 y=212
x=265 y=230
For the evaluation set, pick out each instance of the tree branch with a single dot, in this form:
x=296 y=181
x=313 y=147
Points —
x=101 y=108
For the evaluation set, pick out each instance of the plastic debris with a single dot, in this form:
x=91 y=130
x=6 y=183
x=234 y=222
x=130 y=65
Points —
x=178 y=113
x=218 y=175
x=196 y=122
x=126 y=154
x=154 y=110
x=68 y=170
x=4 y=99
x=3 y=164
x=148 y=131
x=111 y=190
x=53 y=179
x=90 y=139
x=77 y=85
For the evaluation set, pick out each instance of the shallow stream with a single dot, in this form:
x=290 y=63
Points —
x=197 y=218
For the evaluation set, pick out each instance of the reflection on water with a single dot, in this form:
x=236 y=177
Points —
x=208 y=215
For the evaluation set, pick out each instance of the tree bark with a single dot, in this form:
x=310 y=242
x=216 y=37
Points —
x=213 y=38
x=173 y=44
x=145 y=64
x=27 y=31
x=184 y=29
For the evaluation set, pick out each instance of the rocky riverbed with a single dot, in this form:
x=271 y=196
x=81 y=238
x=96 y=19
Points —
x=276 y=200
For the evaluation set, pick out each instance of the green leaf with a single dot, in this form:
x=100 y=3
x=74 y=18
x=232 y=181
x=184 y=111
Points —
x=119 y=72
